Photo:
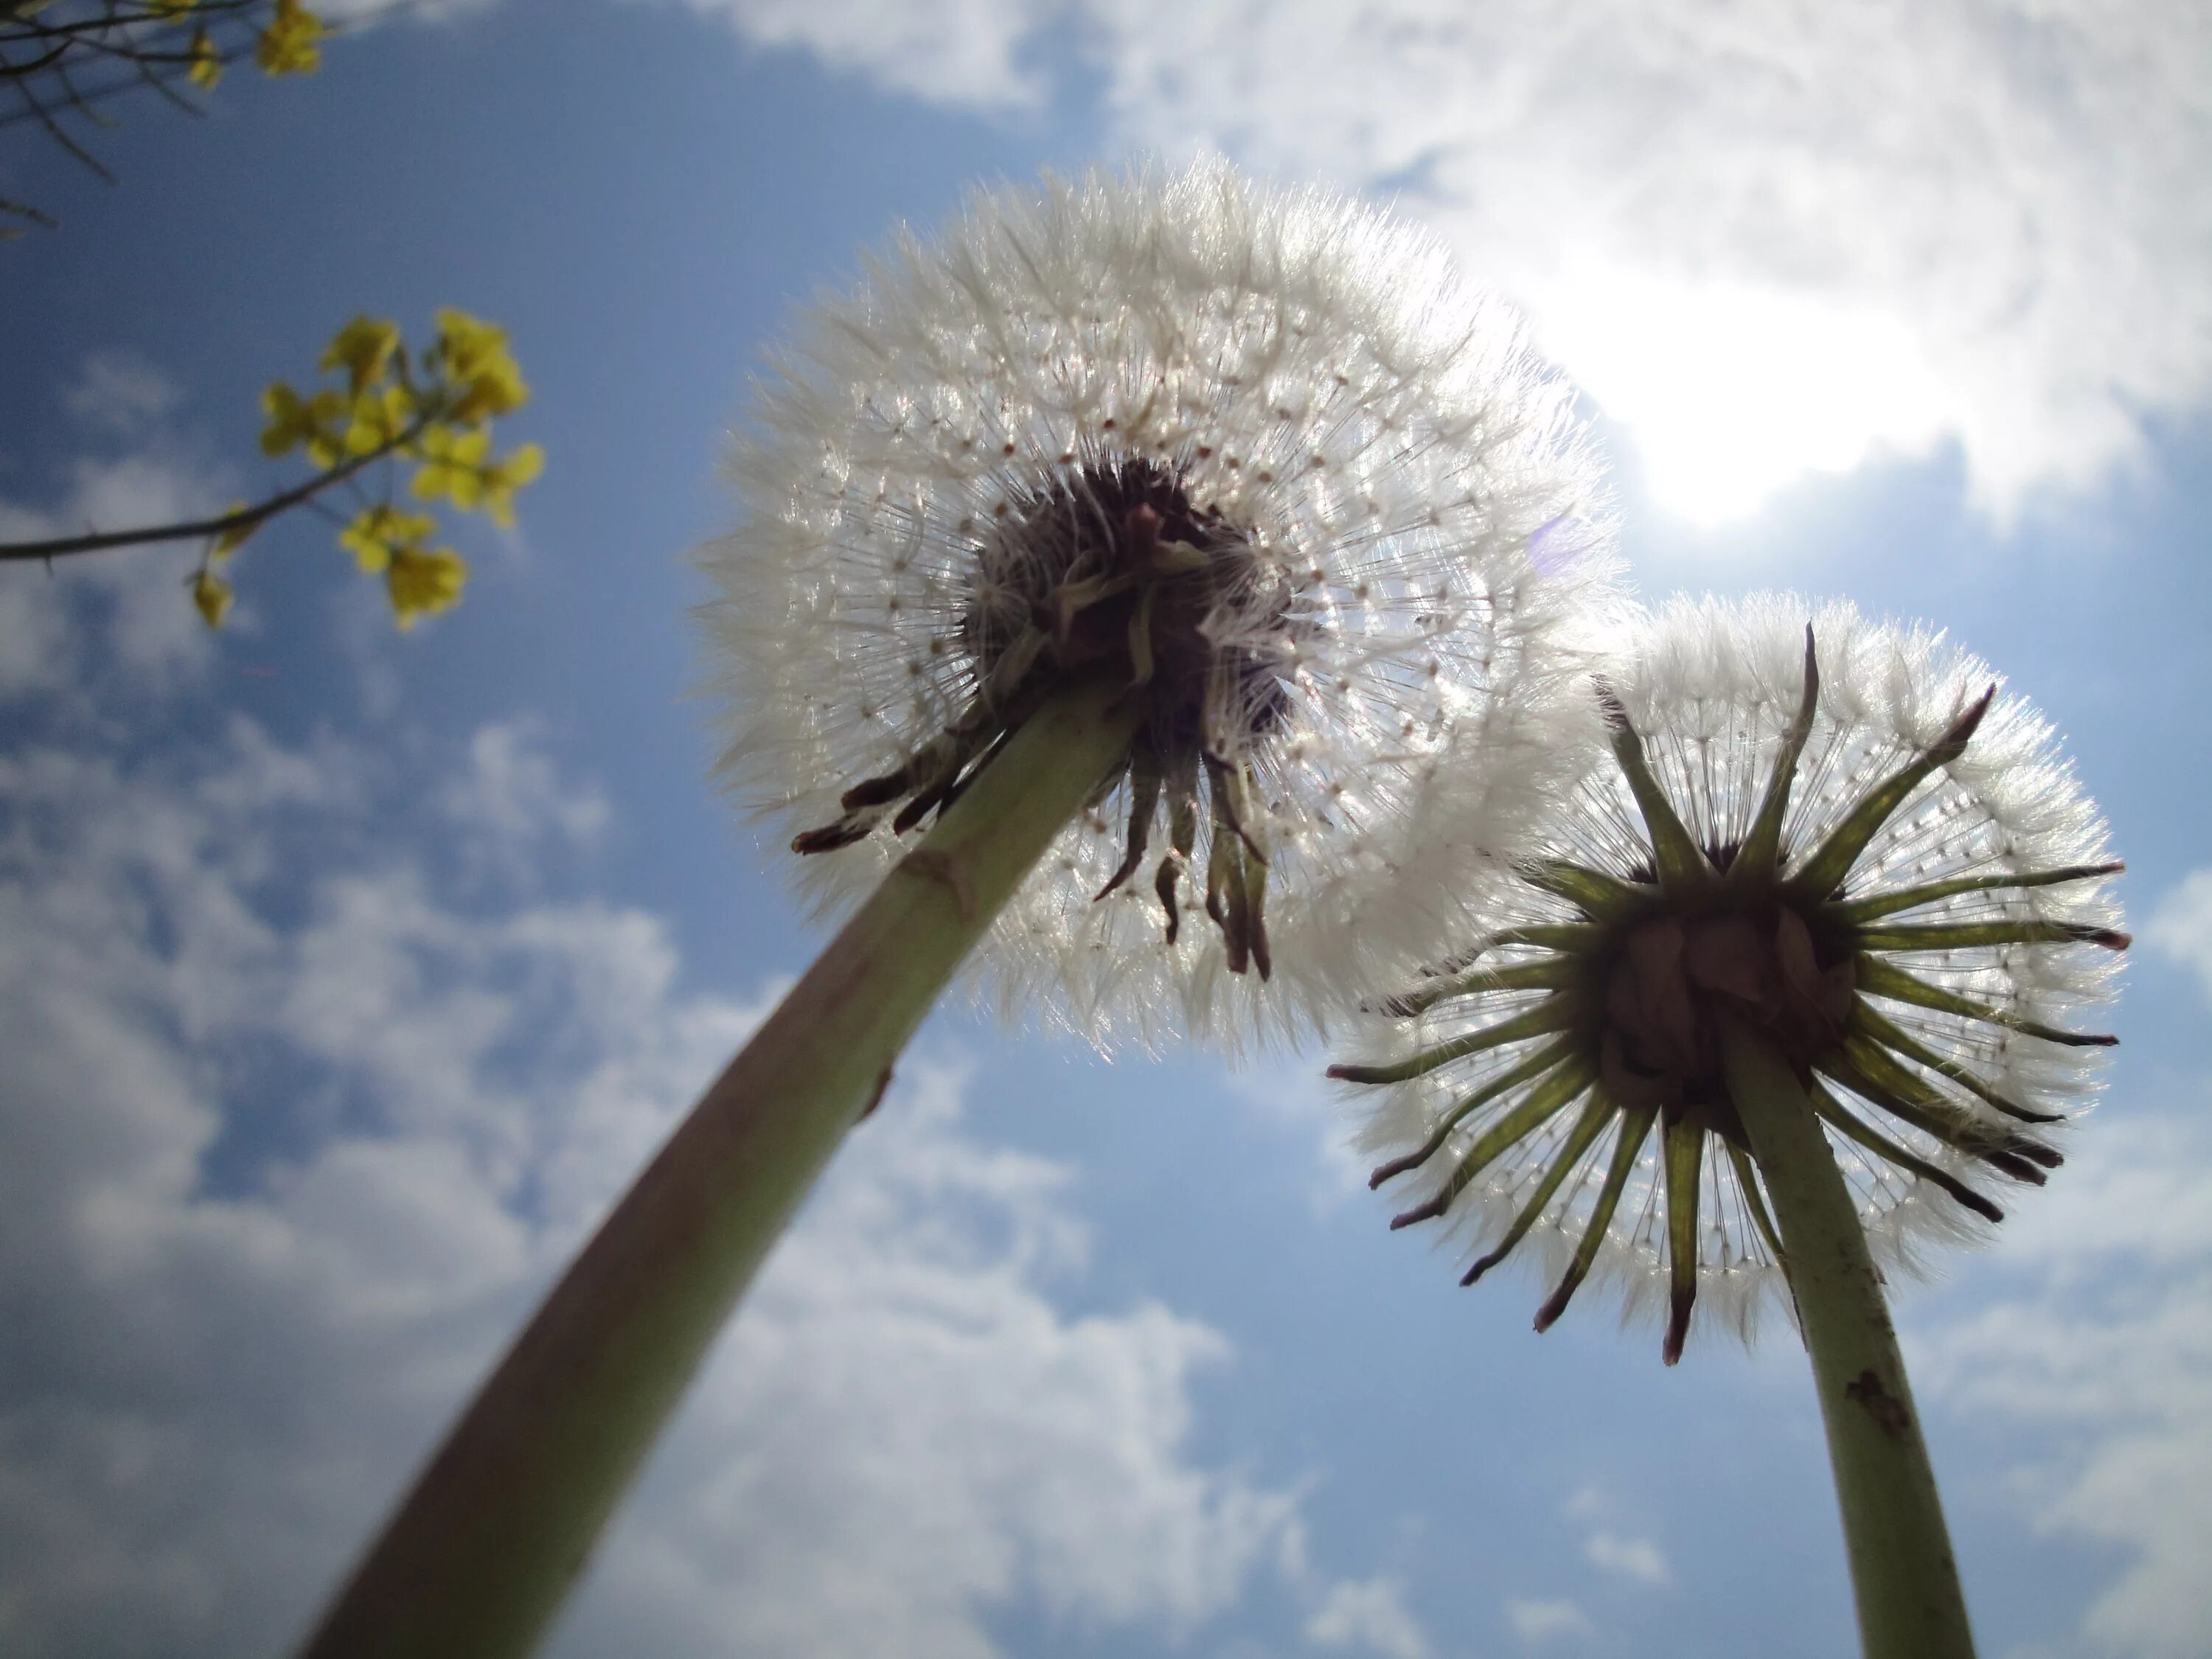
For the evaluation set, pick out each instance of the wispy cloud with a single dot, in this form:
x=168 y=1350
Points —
x=965 y=52
x=1639 y=1558
x=120 y=392
x=291 y=1138
x=2180 y=929
x=1771 y=239
x=1368 y=1615
x=133 y=599
x=1536 y=1622
x=2106 y=1350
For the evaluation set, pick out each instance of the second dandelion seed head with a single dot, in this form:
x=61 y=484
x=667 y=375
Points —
x=1834 y=837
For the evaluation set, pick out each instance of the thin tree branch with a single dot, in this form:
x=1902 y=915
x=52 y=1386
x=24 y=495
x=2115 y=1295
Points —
x=245 y=518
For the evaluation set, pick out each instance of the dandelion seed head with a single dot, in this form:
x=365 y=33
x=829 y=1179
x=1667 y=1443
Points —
x=1923 y=956
x=1263 y=450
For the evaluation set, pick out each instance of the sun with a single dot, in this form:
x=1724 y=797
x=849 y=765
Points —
x=1732 y=392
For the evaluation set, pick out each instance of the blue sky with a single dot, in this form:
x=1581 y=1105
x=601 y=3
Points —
x=346 y=974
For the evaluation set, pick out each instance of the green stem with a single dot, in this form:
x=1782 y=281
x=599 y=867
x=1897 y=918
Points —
x=500 y=1523
x=1906 y=1582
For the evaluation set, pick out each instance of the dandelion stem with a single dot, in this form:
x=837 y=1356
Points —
x=499 y=1525
x=1902 y=1573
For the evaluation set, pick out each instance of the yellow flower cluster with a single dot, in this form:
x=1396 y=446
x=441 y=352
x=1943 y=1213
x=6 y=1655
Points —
x=205 y=66
x=290 y=43
x=421 y=580
x=212 y=595
x=433 y=408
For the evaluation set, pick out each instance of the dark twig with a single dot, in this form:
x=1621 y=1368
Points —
x=245 y=519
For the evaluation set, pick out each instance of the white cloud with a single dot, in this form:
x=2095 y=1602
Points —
x=120 y=392
x=1610 y=1548
x=288 y=1141
x=88 y=615
x=367 y=14
x=1368 y=1613
x=963 y=51
x=511 y=796
x=1631 y=1558
x=2106 y=1352
x=2180 y=929
x=1543 y=1621
x=1286 y=1092
x=1769 y=238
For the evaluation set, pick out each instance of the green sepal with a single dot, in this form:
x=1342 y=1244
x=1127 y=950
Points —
x=1682 y=864
x=1755 y=859
x=1546 y=973
x=1533 y=1067
x=1824 y=870
x=1554 y=1013
x=1867 y=1069
x=1600 y=897
x=1544 y=1101
x=1966 y=935
x=1866 y=1021
x=1685 y=1144
x=1874 y=977
x=1588 y=1127
x=1145 y=782
x=1875 y=906
x=1635 y=1125
x=1853 y=1127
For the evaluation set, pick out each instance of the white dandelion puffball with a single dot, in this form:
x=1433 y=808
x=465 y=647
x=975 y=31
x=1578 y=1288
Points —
x=1838 y=834
x=1259 y=456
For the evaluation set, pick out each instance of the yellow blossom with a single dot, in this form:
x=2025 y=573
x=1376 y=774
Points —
x=503 y=477
x=378 y=533
x=295 y=420
x=452 y=465
x=424 y=582
x=291 y=45
x=379 y=418
x=213 y=596
x=205 y=64
x=234 y=538
x=475 y=359
x=173 y=8
x=363 y=349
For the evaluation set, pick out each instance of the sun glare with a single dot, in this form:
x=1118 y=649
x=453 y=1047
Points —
x=1732 y=393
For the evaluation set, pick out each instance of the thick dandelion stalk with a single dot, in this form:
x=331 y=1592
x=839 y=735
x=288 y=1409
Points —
x=1207 y=564
x=1788 y=977
x=1904 y=1576
x=483 y=1550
